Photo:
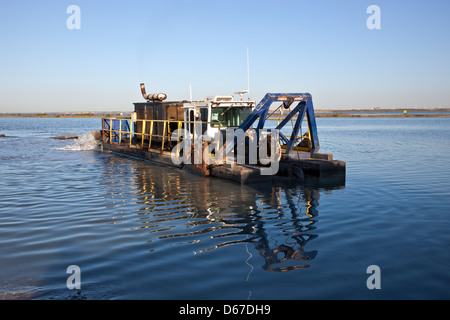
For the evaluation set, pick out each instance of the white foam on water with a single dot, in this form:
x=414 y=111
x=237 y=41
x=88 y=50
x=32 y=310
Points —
x=84 y=142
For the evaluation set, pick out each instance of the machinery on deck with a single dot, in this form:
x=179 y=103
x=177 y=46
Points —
x=303 y=108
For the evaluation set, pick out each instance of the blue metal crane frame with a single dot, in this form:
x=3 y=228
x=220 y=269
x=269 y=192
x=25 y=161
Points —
x=303 y=107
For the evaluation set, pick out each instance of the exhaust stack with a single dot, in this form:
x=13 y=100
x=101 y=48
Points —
x=154 y=96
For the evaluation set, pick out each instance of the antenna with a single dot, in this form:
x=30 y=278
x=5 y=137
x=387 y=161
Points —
x=190 y=92
x=241 y=93
x=248 y=76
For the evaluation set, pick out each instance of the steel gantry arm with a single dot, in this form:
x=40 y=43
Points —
x=303 y=107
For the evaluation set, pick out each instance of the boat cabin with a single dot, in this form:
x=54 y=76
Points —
x=213 y=112
x=217 y=111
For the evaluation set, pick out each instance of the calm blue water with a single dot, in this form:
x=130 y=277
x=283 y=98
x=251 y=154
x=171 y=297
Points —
x=138 y=230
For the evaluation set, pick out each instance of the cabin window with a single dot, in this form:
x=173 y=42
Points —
x=204 y=114
x=204 y=119
x=191 y=118
x=232 y=117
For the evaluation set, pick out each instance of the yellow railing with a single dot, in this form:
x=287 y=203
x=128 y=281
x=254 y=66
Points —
x=110 y=134
x=115 y=136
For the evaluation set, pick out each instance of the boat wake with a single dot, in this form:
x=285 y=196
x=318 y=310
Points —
x=85 y=142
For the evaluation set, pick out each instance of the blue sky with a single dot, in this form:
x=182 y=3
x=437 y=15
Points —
x=322 y=47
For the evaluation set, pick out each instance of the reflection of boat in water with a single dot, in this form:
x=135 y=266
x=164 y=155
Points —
x=301 y=220
x=208 y=214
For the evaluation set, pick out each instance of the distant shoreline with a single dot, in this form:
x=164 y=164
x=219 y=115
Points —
x=362 y=113
x=61 y=115
x=407 y=115
x=378 y=113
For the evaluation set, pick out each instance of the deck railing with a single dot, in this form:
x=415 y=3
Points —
x=125 y=131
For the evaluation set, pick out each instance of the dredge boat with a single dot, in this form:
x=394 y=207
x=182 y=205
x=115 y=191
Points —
x=228 y=138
